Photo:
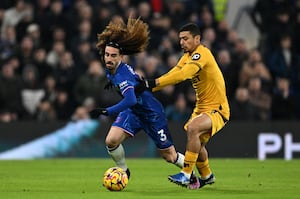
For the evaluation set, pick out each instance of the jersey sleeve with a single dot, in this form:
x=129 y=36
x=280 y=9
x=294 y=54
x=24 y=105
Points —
x=129 y=100
x=126 y=88
x=177 y=74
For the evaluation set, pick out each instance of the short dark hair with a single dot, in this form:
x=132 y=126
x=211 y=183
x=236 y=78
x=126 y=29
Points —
x=192 y=28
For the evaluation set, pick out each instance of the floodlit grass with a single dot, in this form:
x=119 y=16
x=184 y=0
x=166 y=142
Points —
x=82 y=178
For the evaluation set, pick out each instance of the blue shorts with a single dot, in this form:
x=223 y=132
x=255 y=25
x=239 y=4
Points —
x=154 y=124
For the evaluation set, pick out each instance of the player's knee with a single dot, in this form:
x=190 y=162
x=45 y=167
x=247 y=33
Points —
x=192 y=130
x=111 y=142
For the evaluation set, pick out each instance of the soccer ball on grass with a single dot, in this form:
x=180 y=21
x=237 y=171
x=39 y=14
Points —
x=115 y=179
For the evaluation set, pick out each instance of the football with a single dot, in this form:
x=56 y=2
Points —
x=115 y=179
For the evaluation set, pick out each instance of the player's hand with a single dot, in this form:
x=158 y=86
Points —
x=144 y=84
x=108 y=85
x=94 y=114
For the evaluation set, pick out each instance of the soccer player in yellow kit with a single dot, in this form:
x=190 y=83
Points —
x=211 y=110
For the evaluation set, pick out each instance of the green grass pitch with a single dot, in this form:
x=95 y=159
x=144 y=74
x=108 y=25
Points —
x=82 y=178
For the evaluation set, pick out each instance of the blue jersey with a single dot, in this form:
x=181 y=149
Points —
x=124 y=81
x=138 y=111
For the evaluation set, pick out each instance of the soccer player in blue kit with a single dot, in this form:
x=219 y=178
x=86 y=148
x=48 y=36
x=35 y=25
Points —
x=136 y=111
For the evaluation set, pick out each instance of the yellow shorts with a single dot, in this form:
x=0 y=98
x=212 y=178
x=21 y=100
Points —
x=218 y=122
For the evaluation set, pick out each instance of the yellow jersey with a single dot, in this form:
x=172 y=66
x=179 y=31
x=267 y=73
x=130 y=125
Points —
x=206 y=77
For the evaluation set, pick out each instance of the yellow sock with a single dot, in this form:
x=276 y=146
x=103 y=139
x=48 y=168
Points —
x=203 y=168
x=189 y=162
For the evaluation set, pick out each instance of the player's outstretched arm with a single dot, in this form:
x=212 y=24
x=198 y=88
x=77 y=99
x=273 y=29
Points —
x=145 y=84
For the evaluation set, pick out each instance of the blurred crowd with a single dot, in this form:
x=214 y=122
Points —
x=51 y=70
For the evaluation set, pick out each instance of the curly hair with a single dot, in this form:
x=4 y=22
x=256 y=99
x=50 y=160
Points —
x=129 y=38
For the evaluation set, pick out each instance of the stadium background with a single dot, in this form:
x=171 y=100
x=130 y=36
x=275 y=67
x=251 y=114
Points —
x=51 y=74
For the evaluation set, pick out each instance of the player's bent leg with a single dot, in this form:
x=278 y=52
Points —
x=202 y=161
x=198 y=126
x=194 y=130
x=115 y=149
x=115 y=137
